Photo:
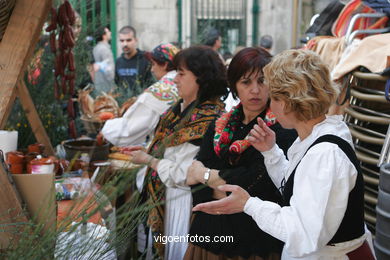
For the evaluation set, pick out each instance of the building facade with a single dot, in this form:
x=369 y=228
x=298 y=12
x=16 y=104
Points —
x=241 y=22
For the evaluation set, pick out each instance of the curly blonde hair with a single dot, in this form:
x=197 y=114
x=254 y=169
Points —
x=302 y=80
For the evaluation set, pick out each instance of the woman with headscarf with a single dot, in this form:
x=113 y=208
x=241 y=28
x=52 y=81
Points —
x=141 y=118
x=201 y=82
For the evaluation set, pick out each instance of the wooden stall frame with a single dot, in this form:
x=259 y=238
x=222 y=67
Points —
x=16 y=49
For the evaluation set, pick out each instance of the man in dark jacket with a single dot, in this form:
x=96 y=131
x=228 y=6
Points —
x=132 y=69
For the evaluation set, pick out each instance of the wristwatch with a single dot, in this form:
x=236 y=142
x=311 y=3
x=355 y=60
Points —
x=206 y=176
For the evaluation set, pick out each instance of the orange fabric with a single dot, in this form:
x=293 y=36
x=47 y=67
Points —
x=71 y=211
x=340 y=26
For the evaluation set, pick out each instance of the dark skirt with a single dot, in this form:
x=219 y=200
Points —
x=197 y=253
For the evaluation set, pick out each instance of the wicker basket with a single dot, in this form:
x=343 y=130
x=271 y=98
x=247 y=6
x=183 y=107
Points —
x=92 y=125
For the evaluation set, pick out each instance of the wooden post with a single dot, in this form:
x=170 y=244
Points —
x=10 y=211
x=33 y=117
x=16 y=48
x=18 y=43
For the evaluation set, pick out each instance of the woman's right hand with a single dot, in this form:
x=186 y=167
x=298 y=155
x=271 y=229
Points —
x=261 y=136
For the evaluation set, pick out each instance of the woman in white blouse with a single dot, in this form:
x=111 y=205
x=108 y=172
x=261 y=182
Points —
x=322 y=216
x=141 y=118
x=201 y=82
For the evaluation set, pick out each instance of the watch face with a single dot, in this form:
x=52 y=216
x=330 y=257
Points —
x=207 y=175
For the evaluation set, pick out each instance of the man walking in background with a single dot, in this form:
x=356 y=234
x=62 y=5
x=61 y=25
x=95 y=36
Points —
x=266 y=42
x=213 y=38
x=132 y=69
x=104 y=70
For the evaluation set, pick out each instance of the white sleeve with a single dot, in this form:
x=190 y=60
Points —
x=110 y=70
x=276 y=163
x=138 y=122
x=172 y=170
x=322 y=184
x=108 y=58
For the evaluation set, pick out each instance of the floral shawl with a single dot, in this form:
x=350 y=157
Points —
x=175 y=128
x=225 y=128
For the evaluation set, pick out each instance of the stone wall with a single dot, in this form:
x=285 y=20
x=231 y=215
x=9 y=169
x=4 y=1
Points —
x=154 y=20
x=276 y=20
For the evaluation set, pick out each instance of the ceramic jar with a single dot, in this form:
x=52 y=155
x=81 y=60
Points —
x=15 y=161
x=42 y=165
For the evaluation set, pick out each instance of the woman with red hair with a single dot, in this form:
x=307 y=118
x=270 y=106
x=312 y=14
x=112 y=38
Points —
x=226 y=156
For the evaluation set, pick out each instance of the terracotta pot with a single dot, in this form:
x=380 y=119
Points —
x=15 y=157
x=28 y=158
x=16 y=168
x=36 y=148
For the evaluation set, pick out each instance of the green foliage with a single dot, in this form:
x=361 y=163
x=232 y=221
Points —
x=42 y=93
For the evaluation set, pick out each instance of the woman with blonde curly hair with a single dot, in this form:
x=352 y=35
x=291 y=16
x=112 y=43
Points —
x=322 y=215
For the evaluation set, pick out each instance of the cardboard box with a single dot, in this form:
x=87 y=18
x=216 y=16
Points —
x=37 y=191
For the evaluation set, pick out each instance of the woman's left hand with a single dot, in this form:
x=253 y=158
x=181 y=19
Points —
x=195 y=172
x=234 y=203
x=140 y=157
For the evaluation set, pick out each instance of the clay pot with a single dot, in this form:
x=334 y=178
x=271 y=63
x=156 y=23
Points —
x=15 y=161
x=28 y=158
x=74 y=148
x=16 y=168
x=36 y=148
x=15 y=157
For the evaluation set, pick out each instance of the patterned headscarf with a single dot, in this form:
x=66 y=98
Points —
x=165 y=52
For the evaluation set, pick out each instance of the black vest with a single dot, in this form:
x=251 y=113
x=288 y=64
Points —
x=352 y=225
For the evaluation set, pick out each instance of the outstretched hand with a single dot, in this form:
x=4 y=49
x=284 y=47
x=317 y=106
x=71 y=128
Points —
x=138 y=154
x=131 y=148
x=261 y=136
x=234 y=203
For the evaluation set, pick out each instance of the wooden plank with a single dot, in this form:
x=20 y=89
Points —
x=33 y=117
x=18 y=43
x=10 y=211
x=16 y=48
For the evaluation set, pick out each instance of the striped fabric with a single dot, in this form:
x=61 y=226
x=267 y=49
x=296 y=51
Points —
x=6 y=7
x=340 y=26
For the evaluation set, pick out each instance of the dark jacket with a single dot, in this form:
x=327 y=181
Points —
x=250 y=173
x=133 y=75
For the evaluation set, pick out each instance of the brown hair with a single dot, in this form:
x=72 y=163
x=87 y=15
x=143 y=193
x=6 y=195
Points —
x=246 y=61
